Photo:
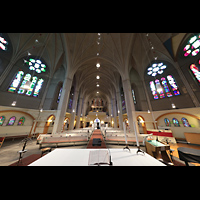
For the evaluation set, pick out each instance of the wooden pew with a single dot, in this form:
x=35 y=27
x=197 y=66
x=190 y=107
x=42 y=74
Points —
x=193 y=138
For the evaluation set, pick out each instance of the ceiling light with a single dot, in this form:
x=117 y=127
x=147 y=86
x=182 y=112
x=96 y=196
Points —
x=14 y=103
x=97 y=92
x=97 y=85
x=98 y=65
x=97 y=77
x=173 y=105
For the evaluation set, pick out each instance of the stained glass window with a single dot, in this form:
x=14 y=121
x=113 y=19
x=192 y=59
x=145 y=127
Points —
x=133 y=94
x=153 y=90
x=16 y=81
x=34 y=84
x=11 y=121
x=166 y=88
x=2 y=118
x=21 y=121
x=29 y=91
x=185 y=122
x=160 y=87
x=173 y=85
x=59 y=95
x=36 y=65
x=193 y=46
x=156 y=68
x=167 y=122
x=195 y=71
x=3 y=43
x=175 y=122
x=38 y=87
x=27 y=77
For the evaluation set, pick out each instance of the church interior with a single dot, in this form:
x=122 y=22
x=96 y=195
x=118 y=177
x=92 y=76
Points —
x=103 y=98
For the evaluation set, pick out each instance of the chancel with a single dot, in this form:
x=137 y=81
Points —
x=100 y=99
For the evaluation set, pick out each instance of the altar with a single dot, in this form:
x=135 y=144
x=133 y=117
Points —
x=80 y=157
x=97 y=123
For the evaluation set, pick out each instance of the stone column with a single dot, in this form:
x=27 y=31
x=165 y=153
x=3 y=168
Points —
x=130 y=107
x=62 y=106
x=73 y=113
x=119 y=106
x=110 y=108
x=114 y=112
x=79 y=112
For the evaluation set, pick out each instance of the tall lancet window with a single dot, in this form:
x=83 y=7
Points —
x=29 y=84
x=161 y=86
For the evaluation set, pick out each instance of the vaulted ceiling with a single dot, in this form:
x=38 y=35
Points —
x=77 y=53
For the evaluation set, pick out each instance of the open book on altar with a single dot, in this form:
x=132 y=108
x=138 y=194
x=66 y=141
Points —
x=99 y=157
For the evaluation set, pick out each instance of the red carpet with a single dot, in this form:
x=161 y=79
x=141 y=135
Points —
x=96 y=134
x=26 y=161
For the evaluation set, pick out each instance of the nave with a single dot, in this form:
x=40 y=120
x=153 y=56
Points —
x=9 y=149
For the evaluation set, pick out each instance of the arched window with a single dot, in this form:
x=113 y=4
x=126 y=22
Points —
x=29 y=84
x=167 y=122
x=193 y=46
x=2 y=119
x=21 y=121
x=185 y=122
x=59 y=95
x=175 y=122
x=133 y=94
x=11 y=121
x=164 y=86
x=195 y=70
x=3 y=43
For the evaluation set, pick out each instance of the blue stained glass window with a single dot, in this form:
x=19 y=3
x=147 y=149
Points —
x=167 y=122
x=161 y=87
x=175 y=122
x=185 y=122
x=59 y=95
x=11 y=121
x=173 y=85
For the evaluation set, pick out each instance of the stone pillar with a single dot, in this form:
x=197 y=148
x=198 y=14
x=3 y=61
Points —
x=114 y=112
x=85 y=108
x=119 y=106
x=79 y=112
x=62 y=106
x=73 y=113
x=130 y=107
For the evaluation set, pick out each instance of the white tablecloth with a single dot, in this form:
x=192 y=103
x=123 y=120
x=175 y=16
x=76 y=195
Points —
x=79 y=157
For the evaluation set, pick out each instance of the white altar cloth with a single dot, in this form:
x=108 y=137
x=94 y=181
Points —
x=79 y=157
